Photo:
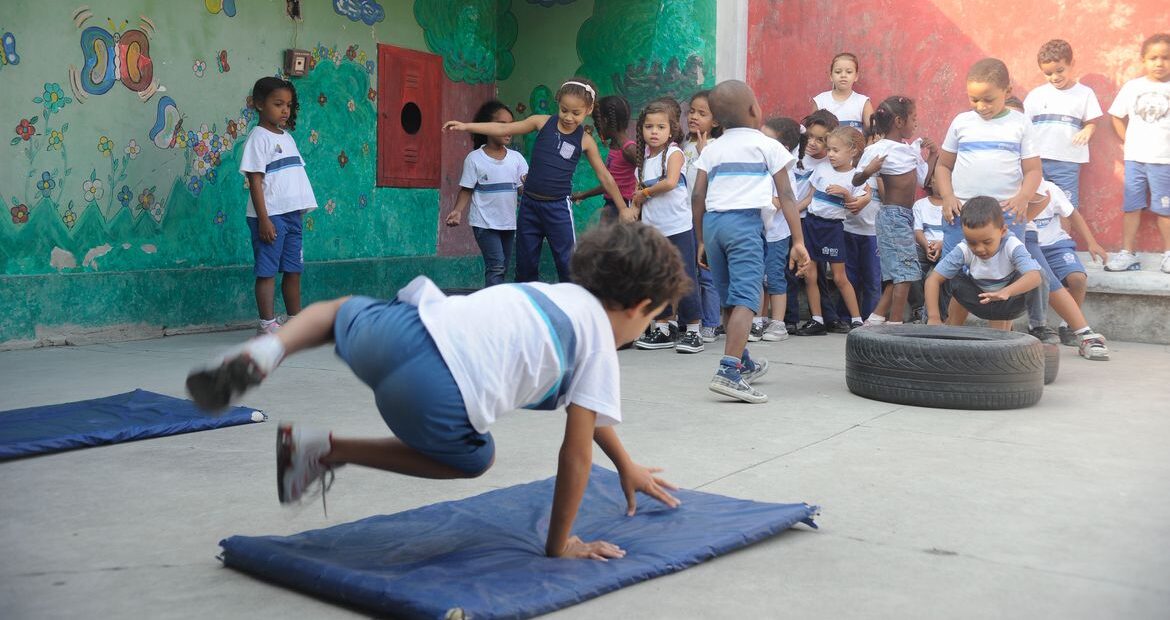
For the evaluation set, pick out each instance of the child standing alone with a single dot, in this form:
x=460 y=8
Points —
x=279 y=196
x=546 y=210
x=851 y=108
x=491 y=175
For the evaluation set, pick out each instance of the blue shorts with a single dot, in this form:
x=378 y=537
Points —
x=897 y=249
x=826 y=239
x=1147 y=185
x=1066 y=175
x=775 y=262
x=285 y=254
x=1062 y=259
x=389 y=349
x=734 y=242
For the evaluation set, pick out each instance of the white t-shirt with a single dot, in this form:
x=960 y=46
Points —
x=988 y=154
x=864 y=222
x=1058 y=115
x=803 y=175
x=825 y=205
x=286 y=186
x=493 y=183
x=671 y=212
x=900 y=157
x=532 y=346
x=849 y=112
x=739 y=169
x=1046 y=224
x=928 y=218
x=1146 y=103
x=993 y=273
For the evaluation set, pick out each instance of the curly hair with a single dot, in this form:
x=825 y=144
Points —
x=266 y=86
x=787 y=131
x=484 y=115
x=623 y=264
x=654 y=107
x=611 y=116
x=825 y=119
x=1055 y=50
x=990 y=71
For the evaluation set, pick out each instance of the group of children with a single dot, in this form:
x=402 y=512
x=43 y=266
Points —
x=736 y=211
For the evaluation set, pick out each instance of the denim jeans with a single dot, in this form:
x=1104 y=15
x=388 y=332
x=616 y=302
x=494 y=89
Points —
x=496 y=246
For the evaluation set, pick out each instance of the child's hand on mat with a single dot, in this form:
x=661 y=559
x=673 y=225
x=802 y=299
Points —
x=455 y=126
x=267 y=230
x=454 y=218
x=639 y=478
x=986 y=298
x=951 y=207
x=596 y=550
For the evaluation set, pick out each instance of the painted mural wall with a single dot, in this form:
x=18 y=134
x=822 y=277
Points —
x=923 y=48
x=127 y=118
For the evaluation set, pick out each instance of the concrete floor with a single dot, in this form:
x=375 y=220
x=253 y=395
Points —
x=1060 y=510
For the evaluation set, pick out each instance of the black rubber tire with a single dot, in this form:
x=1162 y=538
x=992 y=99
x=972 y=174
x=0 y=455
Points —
x=945 y=367
x=1051 y=362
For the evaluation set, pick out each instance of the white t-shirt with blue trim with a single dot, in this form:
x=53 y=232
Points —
x=991 y=274
x=669 y=212
x=826 y=205
x=530 y=346
x=1046 y=224
x=286 y=186
x=1057 y=115
x=988 y=154
x=849 y=112
x=928 y=218
x=739 y=167
x=493 y=183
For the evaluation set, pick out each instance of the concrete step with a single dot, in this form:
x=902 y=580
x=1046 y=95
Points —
x=1129 y=305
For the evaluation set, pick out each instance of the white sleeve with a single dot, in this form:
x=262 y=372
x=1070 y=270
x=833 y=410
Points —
x=470 y=177
x=1121 y=104
x=1030 y=104
x=254 y=158
x=1027 y=142
x=1058 y=201
x=1092 y=106
x=919 y=224
x=951 y=142
x=521 y=167
x=596 y=387
x=778 y=158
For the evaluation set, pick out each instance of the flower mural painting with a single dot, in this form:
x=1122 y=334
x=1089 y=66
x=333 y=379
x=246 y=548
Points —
x=46 y=184
x=53 y=99
x=125 y=195
x=350 y=105
x=92 y=189
x=132 y=149
x=314 y=136
x=199 y=68
x=19 y=214
x=371 y=94
x=330 y=206
x=69 y=218
x=342 y=159
x=146 y=199
x=105 y=146
x=195 y=185
x=56 y=140
x=322 y=99
x=26 y=129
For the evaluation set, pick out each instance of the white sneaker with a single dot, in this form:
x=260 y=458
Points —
x=1093 y=347
x=1125 y=260
x=775 y=332
x=298 y=462
x=270 y=328
x=1166 y=262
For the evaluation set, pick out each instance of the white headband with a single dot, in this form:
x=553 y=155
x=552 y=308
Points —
x=588 y=88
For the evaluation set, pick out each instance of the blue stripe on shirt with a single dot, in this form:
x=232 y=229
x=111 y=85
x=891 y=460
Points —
x=282 y=163
x=488 y=188
x=564 y=340
x=1013 y=147
x=740 y=169
x=1057 y=119
x=856 y=124
x=836 y=201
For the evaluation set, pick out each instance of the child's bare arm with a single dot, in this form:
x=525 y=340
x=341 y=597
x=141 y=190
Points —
x=942 y=184
x=1119 y=126
x=523 y=126
x=698 y=209
x=930 y=291
x=576 y=458
x=596 y=191
x=634 y=477
x=461 y=202
x=266 y=229
x=669 y=181
x=798 y=256
x=1083 y=136
x=1033 y=174
x=920 y=238
x=611 y=188
x=1082 y=227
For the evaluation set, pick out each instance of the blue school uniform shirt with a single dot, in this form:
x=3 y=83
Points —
x=554 y=158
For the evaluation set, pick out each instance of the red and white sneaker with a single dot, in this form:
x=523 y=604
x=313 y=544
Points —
x=298 y=462
x=1093 y=347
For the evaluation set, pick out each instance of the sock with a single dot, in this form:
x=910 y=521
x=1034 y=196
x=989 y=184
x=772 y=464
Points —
x=759 y=320
x=893 y=322
x=663 y=327
x=1064 y=323
x=267 y=351
x=1084 y=330
x=673 y=324
x=693 y=327
x=818 y=319
x=876 y=319
x=854 y=319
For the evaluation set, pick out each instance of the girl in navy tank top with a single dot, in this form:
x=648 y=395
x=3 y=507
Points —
x=546 y=209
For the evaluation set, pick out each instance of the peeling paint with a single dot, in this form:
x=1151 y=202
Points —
x=91 y=256
x=149 y=248
x=62 y=259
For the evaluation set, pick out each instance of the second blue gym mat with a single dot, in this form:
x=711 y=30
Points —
x=485 y=555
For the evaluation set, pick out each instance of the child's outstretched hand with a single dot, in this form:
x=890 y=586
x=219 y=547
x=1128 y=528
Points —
x=455 y=126
x=638 y=478
x=454 y=217
x=986 y=298
x=950 y=208
x=1096 y=251
x=596 y=550
x=1081 y=137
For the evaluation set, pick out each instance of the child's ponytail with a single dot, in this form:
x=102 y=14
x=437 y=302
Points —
x=887 y=114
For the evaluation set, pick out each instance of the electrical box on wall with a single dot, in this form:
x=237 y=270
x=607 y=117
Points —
x=410 y=97
x=296 y=62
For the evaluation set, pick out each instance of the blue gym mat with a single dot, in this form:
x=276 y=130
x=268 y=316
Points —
x=113 y=419
x=484 y=555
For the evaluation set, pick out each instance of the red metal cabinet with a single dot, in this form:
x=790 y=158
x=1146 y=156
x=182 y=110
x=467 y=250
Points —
x=410 y=95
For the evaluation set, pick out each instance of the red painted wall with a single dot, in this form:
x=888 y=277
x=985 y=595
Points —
x=922 y=50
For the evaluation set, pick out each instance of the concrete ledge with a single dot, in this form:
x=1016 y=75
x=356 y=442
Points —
x=1129 y=305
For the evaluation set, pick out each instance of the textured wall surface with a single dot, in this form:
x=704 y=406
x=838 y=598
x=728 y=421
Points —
x=922 y=49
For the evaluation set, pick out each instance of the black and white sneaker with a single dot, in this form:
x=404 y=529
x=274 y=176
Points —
x=655 y=339
x=728 y=382
x=837 y=327
x=757 y=332
x=1045 y=334
x=1068 y=338
x=811 y=328
x=689 y=342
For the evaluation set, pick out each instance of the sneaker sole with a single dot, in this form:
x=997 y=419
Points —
x=212 y=388
x=775 y=338
x=738 y=395
x=1133 y=267
x=283 y=459
x=816 y=334
x=653 y=347
x=685 y=349
x=709 y=340
x=1096 y=358
x=750 y=378
x=754 y=338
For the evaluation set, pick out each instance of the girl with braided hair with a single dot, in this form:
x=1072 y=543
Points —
x=611 y=116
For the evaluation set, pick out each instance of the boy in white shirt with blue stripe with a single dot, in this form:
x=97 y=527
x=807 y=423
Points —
x=733 y=184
